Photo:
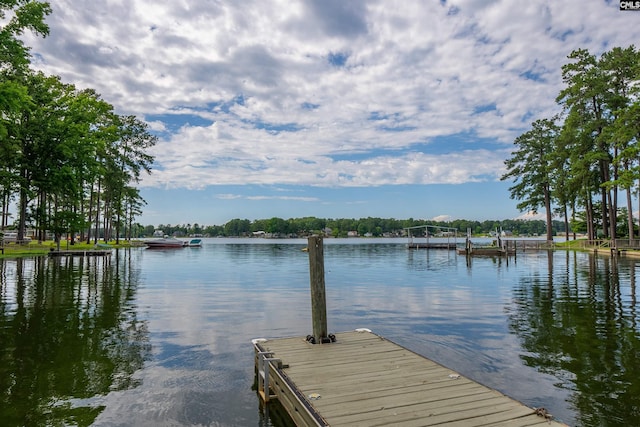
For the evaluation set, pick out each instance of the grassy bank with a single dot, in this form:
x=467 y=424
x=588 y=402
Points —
x=34 y=248
x=571 y=244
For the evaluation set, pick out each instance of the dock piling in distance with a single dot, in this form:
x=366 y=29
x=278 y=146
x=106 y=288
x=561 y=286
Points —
x=318 y=294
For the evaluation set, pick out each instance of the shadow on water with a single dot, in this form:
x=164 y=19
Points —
x=578 y=322
x=69 y=333
x=272 y=413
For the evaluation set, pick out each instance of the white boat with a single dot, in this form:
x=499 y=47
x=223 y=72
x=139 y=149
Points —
x=166 y=242
x=194 y=243
x=12 y=237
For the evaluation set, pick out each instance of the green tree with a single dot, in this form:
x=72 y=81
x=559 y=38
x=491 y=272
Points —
x=259 y=225
x=18 y=16
x=133 y=204
x=530 y=167
x=148 y=230
x=69 y=156
x=598 y=136
x=237 y=227
x=276 y=226
x=627 y=128
x=126 y=161
x=584 y=100
x=622 y=69
x=34 y=137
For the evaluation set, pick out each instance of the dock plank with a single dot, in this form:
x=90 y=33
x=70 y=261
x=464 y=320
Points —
x=364 y=379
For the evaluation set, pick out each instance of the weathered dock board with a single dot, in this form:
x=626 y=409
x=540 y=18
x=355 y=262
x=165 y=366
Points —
x=363 y=379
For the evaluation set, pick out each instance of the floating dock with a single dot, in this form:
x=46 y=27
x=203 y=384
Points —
x=432 y=245
x=91 y=252
x=485 y=251
x=363 y=379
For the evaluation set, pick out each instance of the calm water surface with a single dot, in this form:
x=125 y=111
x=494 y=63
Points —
x=163 y=338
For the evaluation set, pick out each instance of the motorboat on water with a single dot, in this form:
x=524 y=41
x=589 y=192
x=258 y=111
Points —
x=194 y=243
x=164 y=243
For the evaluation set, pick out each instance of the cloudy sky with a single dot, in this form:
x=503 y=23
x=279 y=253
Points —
x=327 y=108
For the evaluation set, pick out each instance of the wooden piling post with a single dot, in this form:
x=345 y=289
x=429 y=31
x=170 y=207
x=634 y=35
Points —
x=318 y=295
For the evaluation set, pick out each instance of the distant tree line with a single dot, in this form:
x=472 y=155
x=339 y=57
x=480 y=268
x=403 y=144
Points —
x=66 y=158
x=579 y=162
x=376 y=227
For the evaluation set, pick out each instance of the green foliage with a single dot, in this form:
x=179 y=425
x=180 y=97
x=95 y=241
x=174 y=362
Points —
x=20 y=16
x=583 y=162
x=66 y=157
x=377 y=227
x=68 y=149
x=532 y=168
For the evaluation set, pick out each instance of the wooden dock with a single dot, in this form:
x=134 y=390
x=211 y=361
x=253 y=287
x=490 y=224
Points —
x=363 y=379
x=504 y=247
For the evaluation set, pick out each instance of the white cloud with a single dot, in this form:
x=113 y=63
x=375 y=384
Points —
x=263 y=197
x=530 y=215
x=229 y=196
x=327 y=94
x=290 y=198
x=157 y=126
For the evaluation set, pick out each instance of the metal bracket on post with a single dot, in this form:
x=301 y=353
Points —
x=263 y=373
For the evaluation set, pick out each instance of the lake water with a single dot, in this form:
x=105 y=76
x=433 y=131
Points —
x=163 y=337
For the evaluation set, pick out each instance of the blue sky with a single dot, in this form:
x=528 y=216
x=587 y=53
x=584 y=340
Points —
x=327 y=108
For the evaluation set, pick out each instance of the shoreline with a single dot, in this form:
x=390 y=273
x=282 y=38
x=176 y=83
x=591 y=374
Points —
x=36 y=249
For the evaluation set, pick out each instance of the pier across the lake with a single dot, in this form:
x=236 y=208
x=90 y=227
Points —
x=502 y=246
x=363 y=379
x=436 y=237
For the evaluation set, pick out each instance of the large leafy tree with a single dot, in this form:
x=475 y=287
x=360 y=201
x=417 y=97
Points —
x=17 y=16
x=74 y=159
x=581 y=180
x=622 y=70
x=531 y=168
x=66 y=156
x=89 y=120
x=20 y=16
x=593 y=153
x=127 y=159
x=54 y=152
x=584 y=100
x=564 y=190
x=597 y=97
x=627 y=128
x=32 y=136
